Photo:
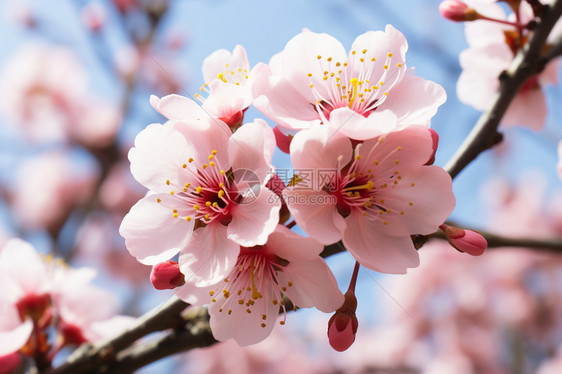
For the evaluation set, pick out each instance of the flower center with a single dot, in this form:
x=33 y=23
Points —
x=360 y=185
x=209 y=195
x=351 y=83
x=252 y=285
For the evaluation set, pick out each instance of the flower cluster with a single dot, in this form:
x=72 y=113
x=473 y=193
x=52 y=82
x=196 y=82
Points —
x=356 y=126
x=41 y=295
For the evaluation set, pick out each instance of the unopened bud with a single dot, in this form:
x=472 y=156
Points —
x=466 y=241
x=166 y=276
x=234 y=121
x=283 y=141
x=457 y=11
x=342 y=327
x=9 y=363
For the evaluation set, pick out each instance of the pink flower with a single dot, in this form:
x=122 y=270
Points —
x=64 y=183
x=245 y=304
x=492 y=47
x=229 y=84
x=207 y=196
x=342 y=326
x=50 y=99
x=372 y=197
x=314 y=76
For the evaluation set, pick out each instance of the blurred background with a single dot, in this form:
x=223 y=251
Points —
x=75 y=79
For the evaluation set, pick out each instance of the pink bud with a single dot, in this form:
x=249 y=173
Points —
x=342 y=327
x=466 y=241
x=166 y=276
x=283 y=141
x=457 y=11
x=9 y=363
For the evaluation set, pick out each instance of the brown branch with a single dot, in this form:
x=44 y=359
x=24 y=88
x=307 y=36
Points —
x=527 y=63
x=92 y=356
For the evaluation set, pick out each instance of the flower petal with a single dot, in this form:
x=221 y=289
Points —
x=319 y=148
x=251 y=148
x=158 y=156
x=313 y=285
x=177 y=107
x=528 y=108
x=208 y=256
x=151 y=232
x=254 y=218
x=315 y=212
x=355 y=126
x=377 y=251
x=414 y=100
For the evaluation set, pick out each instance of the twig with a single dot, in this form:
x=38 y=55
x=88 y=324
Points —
x=527 y=63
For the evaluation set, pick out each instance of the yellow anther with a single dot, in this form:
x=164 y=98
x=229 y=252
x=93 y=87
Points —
x=175 y=215
x=215 y=205
x=364 y=51
x=329 y=59
x=389 y=54
x=205 y=166
x=221 y=77
x=211 y=157
x=412 y=184
x=385 y=67
x=168 y=182
x=282 y=323
x=362 y=59
x=373 y=59
x=199 y=189
x=385 y=223
x=190 y=160
x=375 y=162
x=211 y=164
x=208 y=203
x=410 y=203
x=338 y=64
x=184 y=166
x=221 y=185
x=171 y=192
x=211 y=293
x=174 y=210
x=240 y=302
x=188 y=218
x=221 y=194
x=319 y=57
x=187 y=185
x=290 y=284
x=158 y=200
x=354 y=82
x=223 y=172
x=353 y=52
x=309 y=75
x=397 y=162
x=386 y=94
x=399 y=148
x=399 y=65
x=207 y=216
x=214 y=152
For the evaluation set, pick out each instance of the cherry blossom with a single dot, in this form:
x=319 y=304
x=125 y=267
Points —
x=65 y=184
x=207 y=195
x=229 y=84
x=49 y=98
x=492 y=47
x=314 y=76
x=378 y=194
x=245 y=304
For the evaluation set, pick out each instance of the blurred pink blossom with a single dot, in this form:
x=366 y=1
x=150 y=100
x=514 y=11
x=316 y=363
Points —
x=64 y=185
x=492 y=47
x=50 y=98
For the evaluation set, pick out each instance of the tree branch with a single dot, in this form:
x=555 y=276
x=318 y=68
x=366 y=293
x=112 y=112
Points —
x=527 y=63
x=91 y=356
